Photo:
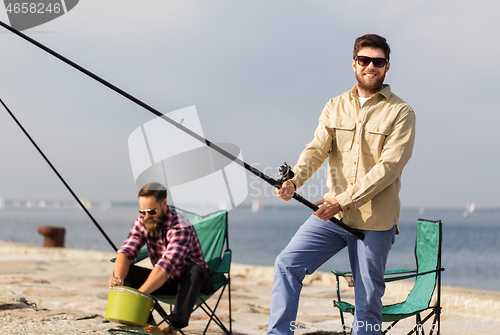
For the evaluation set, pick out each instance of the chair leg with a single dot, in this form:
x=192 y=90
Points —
x=229 y=296
x=338 y=297
x=162 y=313
x=437 y=320
x=216 y=319
x=434 y=312
x=390 y=327
x=419 y=327
x=435 y=323
x=211 y=313
x=342 y=321
x=206 y=308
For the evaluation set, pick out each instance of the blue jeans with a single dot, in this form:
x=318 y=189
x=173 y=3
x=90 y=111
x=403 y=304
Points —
x=315 y=242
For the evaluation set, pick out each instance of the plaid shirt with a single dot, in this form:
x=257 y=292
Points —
x=171 y=249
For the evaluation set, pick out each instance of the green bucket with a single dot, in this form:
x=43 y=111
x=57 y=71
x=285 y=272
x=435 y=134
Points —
x=128 y=306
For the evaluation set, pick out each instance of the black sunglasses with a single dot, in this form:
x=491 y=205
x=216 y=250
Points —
x=150 y=211
x=365 y=61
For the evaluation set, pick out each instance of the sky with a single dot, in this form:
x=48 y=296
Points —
x=259 y=74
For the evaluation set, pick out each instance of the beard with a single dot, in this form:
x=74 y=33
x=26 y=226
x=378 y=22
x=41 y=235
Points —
x=372 y=86
x=154 y=224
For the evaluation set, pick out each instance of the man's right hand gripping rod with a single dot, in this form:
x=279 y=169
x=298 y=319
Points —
x=287 y=173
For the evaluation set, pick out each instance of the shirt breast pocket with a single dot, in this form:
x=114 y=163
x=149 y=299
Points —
x=374 y=137
x=344 y=133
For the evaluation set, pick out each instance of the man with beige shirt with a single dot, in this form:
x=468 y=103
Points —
x=367 y=134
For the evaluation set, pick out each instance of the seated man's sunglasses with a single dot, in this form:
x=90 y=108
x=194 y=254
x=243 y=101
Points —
x=150 y=211
x=365 y=61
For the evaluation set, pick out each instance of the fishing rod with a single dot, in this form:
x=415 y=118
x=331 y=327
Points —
x=59 y=175
x=215 y=147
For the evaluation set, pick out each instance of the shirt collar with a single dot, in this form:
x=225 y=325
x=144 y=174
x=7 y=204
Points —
x=385 y=92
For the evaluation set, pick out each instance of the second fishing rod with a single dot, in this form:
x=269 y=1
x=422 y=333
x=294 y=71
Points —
x=215 y=147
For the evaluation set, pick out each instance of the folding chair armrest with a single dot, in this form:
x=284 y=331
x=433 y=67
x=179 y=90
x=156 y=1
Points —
x=225 y=264
x=391 y=272
x=395 y=275
x=340 y=273
x=143 y=253
x=388 y=272
x=347 y=276
x=392 y=275
x=414 y=273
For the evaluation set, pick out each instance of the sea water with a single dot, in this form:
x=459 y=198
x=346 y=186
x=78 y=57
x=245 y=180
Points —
x=470 y=246
x=470 y=251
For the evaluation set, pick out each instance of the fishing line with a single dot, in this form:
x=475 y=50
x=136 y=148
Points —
x=178 y=125
x=59 y=175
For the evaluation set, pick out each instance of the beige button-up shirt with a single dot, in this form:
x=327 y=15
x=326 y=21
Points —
x=367 y=149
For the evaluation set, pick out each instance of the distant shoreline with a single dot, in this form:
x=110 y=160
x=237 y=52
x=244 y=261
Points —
x=70 y=203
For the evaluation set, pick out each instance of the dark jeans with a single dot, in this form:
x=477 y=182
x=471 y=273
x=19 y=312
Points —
x=187 y=288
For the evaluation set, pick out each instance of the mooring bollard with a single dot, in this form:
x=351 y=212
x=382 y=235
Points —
x=53 y=236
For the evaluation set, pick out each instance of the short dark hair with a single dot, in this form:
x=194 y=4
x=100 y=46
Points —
x=154 y=189
x=371 y=41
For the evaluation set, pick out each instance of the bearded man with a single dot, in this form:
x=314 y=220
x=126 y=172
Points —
x=367 y=134
x=175 y=253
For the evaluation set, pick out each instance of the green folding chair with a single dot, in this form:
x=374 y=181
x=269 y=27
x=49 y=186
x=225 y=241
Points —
x=427 y=277
x=212 y=231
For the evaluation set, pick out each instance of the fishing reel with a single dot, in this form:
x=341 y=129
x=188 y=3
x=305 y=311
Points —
x=286 y=173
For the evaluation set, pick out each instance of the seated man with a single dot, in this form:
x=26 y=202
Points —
x=174 y=250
